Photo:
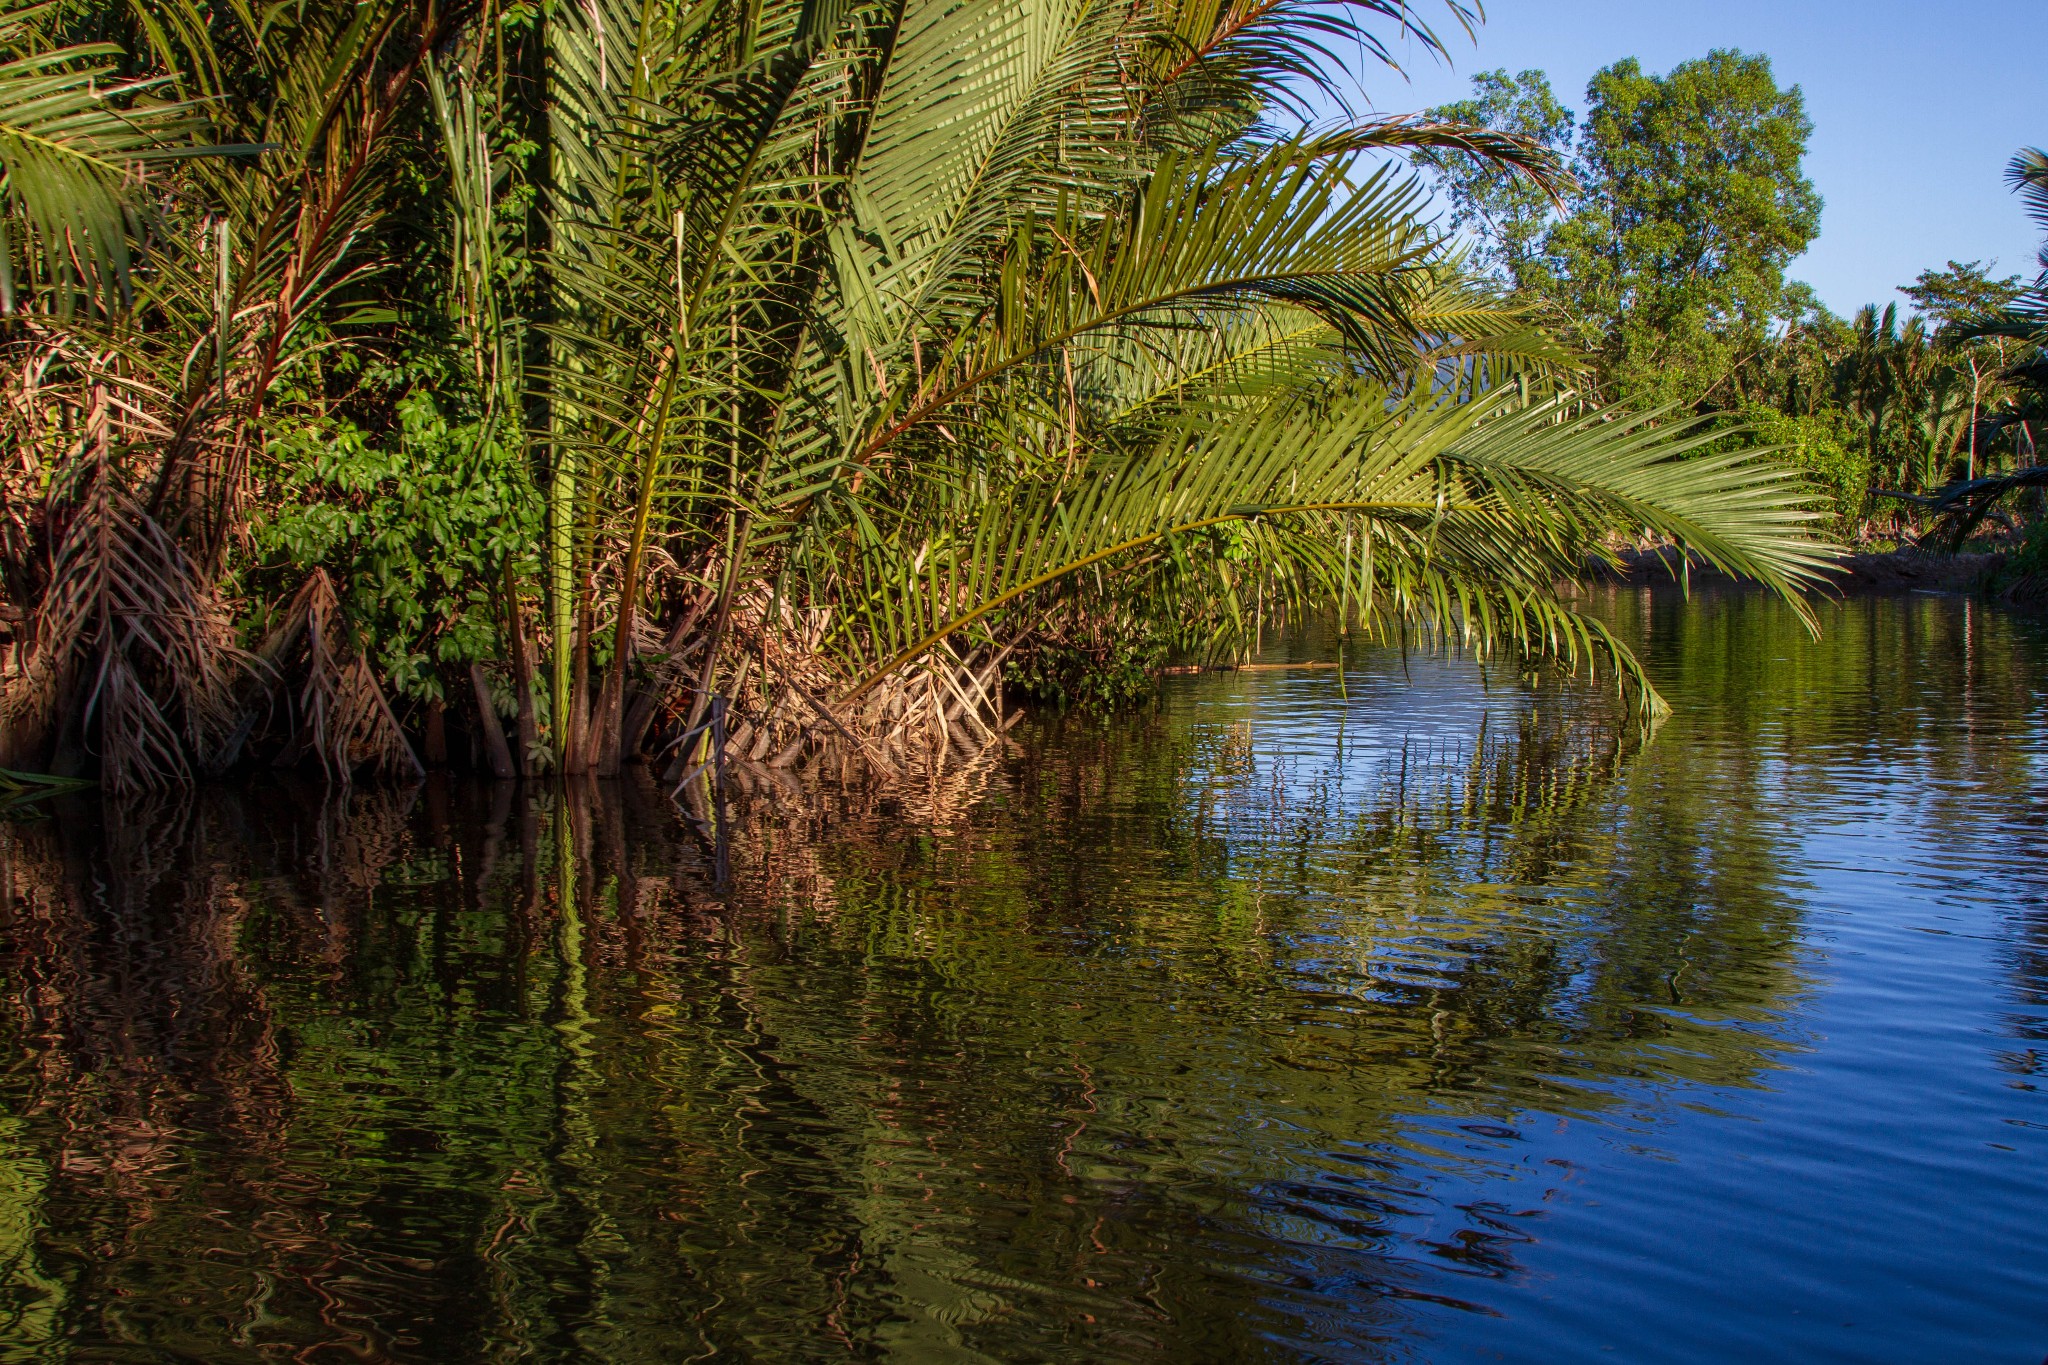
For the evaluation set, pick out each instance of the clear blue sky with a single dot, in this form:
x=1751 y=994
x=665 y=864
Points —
x=1916 y=107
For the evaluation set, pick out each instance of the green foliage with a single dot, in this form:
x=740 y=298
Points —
x=1672 y=261
x=1109 y=664
x=76 y=140
x=1666 y=264
x=419 y=529
x=2031 y=559
x=1471 y=513
x=1823 y=445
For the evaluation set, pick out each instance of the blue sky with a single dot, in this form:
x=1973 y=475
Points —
x=1917 y=108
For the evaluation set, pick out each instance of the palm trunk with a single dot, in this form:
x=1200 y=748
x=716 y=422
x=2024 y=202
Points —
x=610 y=718
x=561 y=592
x=496 y=751
x=577 y=731
x=434 y=736
x=605 y=723
x=522 y=676
x=1976 y=385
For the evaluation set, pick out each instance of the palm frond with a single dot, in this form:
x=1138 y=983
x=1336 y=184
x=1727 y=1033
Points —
x=1479 y=509
x=18 y=789
x=75 y=139
x=1241 y=55
x=2028 y=176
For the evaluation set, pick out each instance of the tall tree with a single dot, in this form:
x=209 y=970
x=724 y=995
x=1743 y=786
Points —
x=1963 y=292
x=1508 y=214
x=1672 y=263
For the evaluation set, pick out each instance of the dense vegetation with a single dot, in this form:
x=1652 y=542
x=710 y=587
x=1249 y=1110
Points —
x=582 y=378
x=1667 y=265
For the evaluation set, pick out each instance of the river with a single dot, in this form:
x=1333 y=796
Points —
x=1409 y=1012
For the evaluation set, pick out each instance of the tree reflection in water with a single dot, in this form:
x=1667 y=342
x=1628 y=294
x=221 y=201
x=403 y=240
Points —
x=1187 y=1037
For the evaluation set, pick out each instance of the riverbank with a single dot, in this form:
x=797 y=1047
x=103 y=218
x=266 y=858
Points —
x=1916 y=569
x=1905 y=570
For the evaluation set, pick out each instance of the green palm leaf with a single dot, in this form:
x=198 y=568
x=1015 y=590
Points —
x=1479 y=510
x=74 y=138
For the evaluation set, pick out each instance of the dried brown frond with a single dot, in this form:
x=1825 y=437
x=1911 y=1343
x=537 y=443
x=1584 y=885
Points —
x=130 y=644
x=344 y=720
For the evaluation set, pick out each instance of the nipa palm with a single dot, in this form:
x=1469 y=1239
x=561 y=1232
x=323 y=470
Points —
x=859 y=342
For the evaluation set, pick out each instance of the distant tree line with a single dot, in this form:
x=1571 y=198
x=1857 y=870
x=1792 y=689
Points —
x=1665 y=264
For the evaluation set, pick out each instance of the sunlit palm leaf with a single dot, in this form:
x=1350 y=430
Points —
x=74 y=140
x=1479 y=510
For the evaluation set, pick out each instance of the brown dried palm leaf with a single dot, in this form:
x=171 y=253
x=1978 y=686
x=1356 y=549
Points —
x=139 y=748
x=131 y=617
x=344 y=719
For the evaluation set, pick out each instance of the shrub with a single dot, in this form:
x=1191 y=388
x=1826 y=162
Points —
x=1823 y=447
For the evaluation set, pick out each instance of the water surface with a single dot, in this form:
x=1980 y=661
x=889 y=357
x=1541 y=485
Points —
x=1409 y=1014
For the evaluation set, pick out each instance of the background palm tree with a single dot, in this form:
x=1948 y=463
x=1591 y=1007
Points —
x=1965 y=503
x=77 y=143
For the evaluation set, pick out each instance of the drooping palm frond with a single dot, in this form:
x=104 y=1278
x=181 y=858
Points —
x=1965 y=504
x=342 y=718
x=1476 y=512
x=133 y=643
x=1241 y=56
x=2028 y=176
x=1651 y=472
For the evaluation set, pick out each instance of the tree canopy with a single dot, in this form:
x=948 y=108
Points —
x=1692 y=204
x=1666 y=262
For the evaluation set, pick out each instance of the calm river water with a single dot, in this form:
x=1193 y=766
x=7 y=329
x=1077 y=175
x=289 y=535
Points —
x=1405 y=1015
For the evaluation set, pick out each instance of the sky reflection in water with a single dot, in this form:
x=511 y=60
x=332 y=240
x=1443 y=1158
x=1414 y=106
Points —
x=1414 y=1017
